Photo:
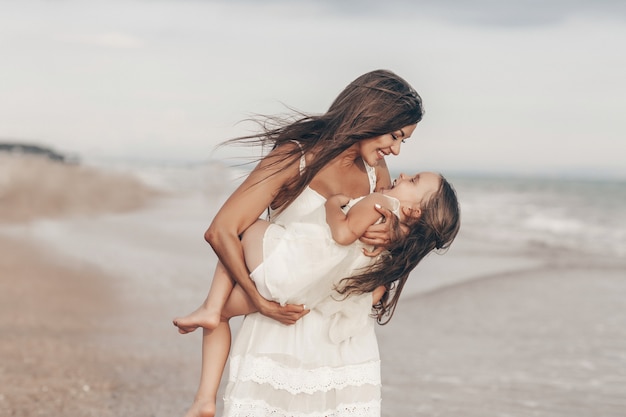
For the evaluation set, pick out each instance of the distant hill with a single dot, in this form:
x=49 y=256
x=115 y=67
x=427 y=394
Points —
x=24 y=148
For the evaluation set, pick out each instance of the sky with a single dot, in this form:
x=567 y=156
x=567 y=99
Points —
x=510 y=86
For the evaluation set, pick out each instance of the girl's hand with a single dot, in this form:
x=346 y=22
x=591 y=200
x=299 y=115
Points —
x=288 y=314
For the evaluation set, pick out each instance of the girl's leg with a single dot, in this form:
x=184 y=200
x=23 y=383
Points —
x=208 y=314
x=252 y=243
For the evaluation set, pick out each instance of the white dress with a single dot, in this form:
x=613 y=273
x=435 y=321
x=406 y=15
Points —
x=302 y=263
x=325 y=365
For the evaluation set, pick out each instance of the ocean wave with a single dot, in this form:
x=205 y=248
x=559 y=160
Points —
x=33 y=187
x=580 y=216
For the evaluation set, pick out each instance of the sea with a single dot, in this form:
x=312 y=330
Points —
x=508 y=223
x=581 y=216
x=521 y=212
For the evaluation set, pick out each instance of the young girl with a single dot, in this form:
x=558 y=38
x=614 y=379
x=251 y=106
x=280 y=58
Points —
x=288 y=263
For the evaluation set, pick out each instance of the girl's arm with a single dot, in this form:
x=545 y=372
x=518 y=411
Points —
x=241 y=209
x=380 y=235
x=347 y=228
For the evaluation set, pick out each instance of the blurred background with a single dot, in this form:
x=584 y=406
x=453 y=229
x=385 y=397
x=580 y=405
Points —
x=523 y=87
x=524 y=316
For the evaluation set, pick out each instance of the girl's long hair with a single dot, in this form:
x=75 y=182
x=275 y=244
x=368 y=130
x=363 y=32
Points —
x=375 y=104
x=435 y=229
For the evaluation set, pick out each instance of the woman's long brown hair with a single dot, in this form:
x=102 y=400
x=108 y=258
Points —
x=375 y=104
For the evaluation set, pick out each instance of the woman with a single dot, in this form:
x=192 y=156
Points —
x=291 y=370
x=318 y=260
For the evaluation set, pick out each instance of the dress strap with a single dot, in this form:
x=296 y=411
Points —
x=302 y=158
x=371 y=174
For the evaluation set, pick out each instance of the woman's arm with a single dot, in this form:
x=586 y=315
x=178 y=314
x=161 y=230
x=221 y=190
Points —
x=241 y=209
x=347 y=228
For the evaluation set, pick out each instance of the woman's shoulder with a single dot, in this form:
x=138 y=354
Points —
x=287 y=148
x=283 y=156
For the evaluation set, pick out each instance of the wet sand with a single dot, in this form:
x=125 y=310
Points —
x=544 y=342
x=71 y=345
x=548 y=341
x=78 y=335
x=86 y=305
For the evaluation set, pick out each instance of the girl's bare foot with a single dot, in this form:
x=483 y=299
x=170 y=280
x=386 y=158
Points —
x=202 y=317
x=201 y=408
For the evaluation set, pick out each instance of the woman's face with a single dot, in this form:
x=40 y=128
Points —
x=374 y=149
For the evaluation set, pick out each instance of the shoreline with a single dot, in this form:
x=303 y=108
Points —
x=525 y=342
x=543 y=342
x=86 y=304
x=522 y=342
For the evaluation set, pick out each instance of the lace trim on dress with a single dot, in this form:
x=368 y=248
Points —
x=264 y=370
x=258 y=408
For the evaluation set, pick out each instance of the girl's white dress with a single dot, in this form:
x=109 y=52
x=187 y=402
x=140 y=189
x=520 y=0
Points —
x=325 y=365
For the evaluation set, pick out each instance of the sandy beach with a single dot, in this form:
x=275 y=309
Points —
x=72 y=345
x=86 y=303
x=542 y=342
x=85 y=330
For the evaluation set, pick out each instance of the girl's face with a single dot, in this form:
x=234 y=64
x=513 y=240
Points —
x=413 y=190
x=374 y=149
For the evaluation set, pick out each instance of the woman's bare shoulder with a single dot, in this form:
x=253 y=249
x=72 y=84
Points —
x=283 y=157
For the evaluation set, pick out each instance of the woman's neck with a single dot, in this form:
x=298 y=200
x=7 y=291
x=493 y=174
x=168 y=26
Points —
x=343 y=175
x=349 y=157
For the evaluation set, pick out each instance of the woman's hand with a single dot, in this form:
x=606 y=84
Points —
x=378 y=293
x=288 y=314
x=381 y=234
